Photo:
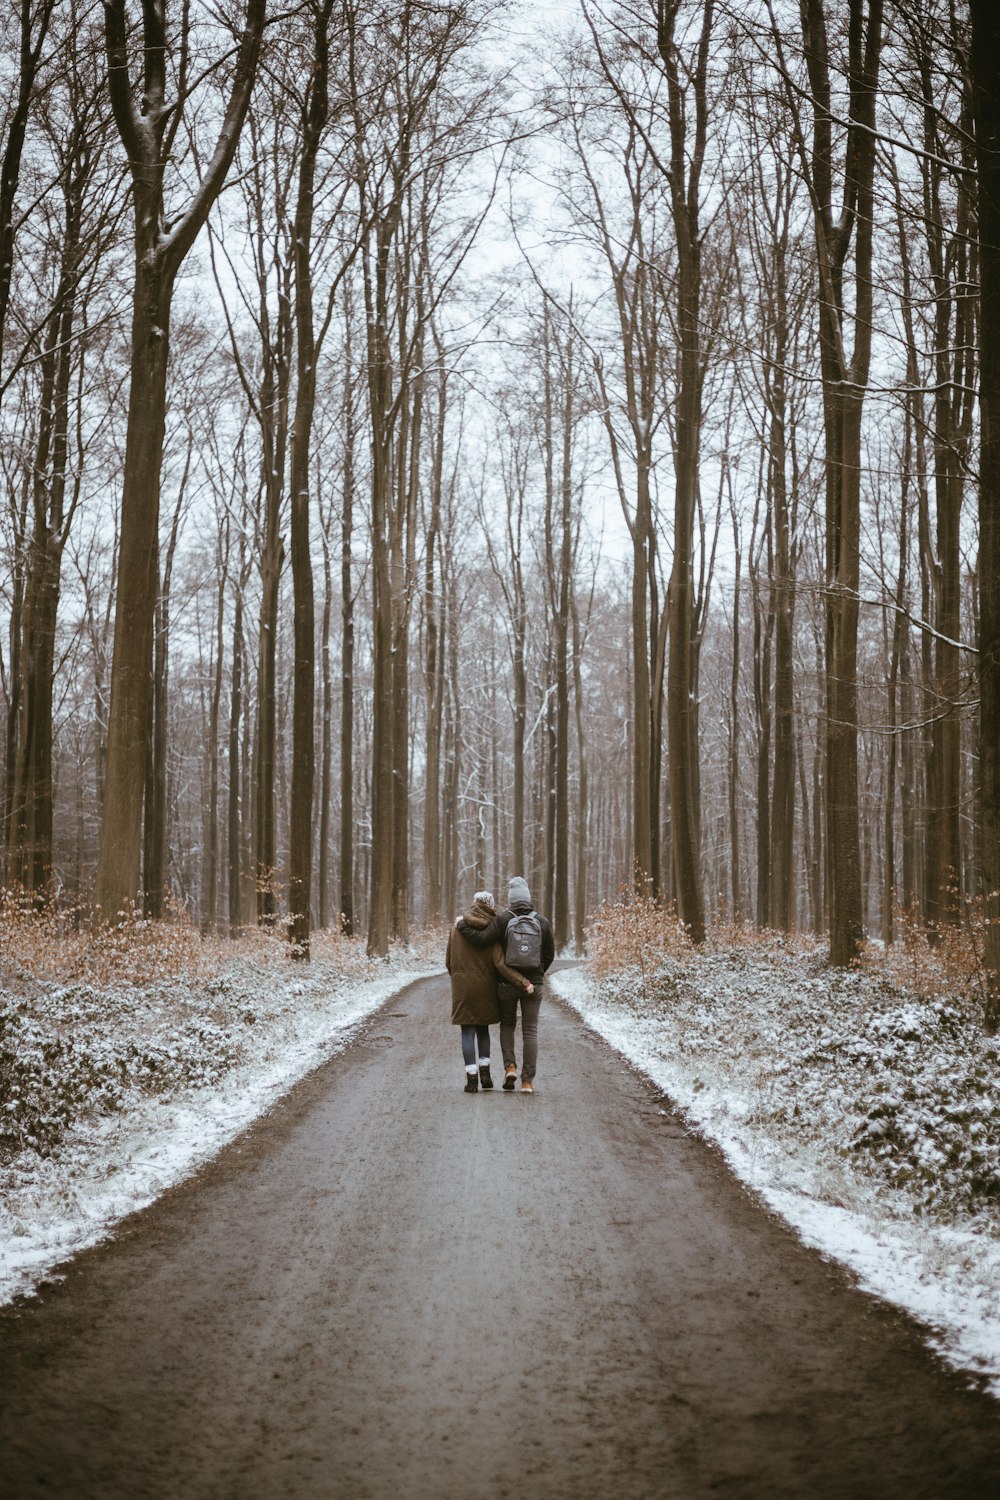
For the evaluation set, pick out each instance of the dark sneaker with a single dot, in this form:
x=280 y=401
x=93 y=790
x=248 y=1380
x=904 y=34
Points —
x=484 y=1077
x=510 y=1079
x=471 y=1083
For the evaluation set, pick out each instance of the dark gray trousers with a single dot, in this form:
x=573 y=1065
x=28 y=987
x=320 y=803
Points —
x=530 y=1006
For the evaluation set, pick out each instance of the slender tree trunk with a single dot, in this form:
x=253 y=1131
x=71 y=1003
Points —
x=155 y=795
x=781 y=906
x=380 y=404
x=844 y=382
x=210 y=898
x=300 y=851
x=433 y=671
x=763 y=624
x=154 y=863
x=346 y=880
x=585 y=853
x=132 y=658
x=273 y=407
x=234 y=850
x=892 y=691
x=986 y=96
x=31 y=825
x=734 y=738
x=453 y=757
x=402 y=573
x=951 y=275
x=562 y=626
x=159 y=253
x=686 y=99
x=326 y=743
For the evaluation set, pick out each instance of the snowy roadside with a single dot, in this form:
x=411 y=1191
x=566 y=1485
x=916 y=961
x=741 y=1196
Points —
x=867 y=1120
x=160 y=1077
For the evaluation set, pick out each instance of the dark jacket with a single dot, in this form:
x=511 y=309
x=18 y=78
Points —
x=475 y=970
x=493 y=932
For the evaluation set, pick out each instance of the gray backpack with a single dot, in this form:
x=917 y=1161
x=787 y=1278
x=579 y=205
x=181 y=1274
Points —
x=523 y=941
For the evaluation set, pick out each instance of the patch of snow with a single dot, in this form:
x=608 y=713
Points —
x=54 y=1205
x=718 y=1037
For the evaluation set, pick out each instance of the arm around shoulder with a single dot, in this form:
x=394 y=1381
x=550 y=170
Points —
x=484 y=937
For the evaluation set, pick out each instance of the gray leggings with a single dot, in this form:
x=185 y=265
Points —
x=530 y=1006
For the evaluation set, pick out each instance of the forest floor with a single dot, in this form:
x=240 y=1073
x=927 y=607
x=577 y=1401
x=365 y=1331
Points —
x=862 y=1109
x=388 y=1286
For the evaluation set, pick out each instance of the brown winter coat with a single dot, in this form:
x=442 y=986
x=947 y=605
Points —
x=475 y=973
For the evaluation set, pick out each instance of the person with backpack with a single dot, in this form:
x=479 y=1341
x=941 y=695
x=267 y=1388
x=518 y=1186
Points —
x=474 y=971
x=528 y=949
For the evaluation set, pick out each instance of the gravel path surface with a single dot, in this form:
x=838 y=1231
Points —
x=389 y=1287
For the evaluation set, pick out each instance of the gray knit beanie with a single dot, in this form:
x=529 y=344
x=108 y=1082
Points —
x=517 y=891
x=485 y=898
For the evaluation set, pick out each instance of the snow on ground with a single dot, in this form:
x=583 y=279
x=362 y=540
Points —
x=868 y=1119
x=111 y=1094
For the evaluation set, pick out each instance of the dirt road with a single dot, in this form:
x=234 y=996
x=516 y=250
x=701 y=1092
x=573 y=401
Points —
x=389 y=1287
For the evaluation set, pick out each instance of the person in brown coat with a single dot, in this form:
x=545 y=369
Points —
x=474 y=976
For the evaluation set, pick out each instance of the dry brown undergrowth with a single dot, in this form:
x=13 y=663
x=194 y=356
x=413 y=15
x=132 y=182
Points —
x=631 y=932
x=62 y=946
x=636 y=932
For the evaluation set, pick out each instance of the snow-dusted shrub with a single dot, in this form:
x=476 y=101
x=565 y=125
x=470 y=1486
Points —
x=92 y=1021
x=902 y=1087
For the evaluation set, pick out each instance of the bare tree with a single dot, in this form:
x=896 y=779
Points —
x=845 y=379
x=315 y=110
x=149 y=129
x=985 y=63
x=75 y=128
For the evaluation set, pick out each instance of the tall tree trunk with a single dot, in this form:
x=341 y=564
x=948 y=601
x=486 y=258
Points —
x=948 y=251
x=300 y=849
x=326 y=743
x=346 y=881
x=781 y=907
x=154 y=861
x=210 y=893
x=687 y=100
x=763 y=627
x=434 y=667
x=733 y=755
x=453 y=755
x=159 y=253
x=403 y=575
x=132 y=658
x=273 y=420
x=585 y=852
x=844 y=382
x=31 y=818
x=563 y=616
x=986 y=97
x=380 y=402
x=892 y=690
x=233 y=842
x=19 y=528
